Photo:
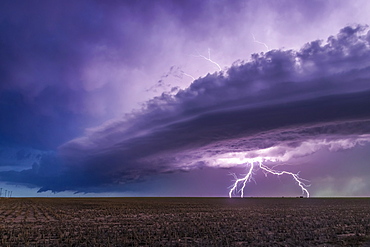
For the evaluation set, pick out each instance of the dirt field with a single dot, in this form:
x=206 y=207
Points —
x=184 y=222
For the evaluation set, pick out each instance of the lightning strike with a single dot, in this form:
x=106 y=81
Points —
x=245 y=179
x=255 y=159
x=259 y=42
x=259 y=165
x=295 y=176
x=186 y=74
x=209 y=59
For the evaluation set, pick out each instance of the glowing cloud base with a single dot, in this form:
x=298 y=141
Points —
x=255 y=160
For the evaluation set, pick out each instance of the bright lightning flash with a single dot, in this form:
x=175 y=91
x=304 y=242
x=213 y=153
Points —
x=255 y=159
x=258 y=164
x=209 y=59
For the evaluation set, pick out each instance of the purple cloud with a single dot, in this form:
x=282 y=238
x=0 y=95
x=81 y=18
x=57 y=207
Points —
x=279 y=100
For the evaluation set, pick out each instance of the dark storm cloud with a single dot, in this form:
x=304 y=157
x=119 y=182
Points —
x=41 y=54
x=306 y=85
x=282 y=97
x=71 y=65
x=49 y=55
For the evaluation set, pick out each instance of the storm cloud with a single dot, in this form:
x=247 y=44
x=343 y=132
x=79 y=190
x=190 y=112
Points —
x=278 y=100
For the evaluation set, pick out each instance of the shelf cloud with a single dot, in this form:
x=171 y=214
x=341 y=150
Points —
x=282 y=104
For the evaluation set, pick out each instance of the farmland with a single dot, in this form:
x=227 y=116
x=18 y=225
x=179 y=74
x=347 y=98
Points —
x=184 y=222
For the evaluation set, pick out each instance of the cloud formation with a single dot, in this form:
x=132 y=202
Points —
x=71 y=65
x=281 y=100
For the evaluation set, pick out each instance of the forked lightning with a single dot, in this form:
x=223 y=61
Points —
x=210 y=60
x=259 y=165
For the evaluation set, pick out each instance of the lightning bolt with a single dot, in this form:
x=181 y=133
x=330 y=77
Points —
x=259 y=165
x=259 y=42
x=209 y=59
x=243 y=180
x=186 y=74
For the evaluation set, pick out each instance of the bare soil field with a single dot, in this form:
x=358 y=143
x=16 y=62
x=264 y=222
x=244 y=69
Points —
x=184 y=222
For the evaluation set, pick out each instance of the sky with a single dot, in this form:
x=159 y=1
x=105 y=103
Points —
x=183 y=98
